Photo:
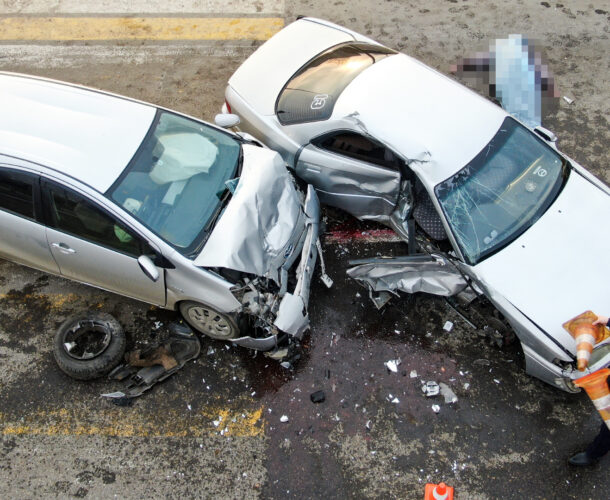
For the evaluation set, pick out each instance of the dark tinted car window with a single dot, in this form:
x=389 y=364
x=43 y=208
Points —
x=358 y=147
x=74 y=214
x=17 y=193
x=311 y=93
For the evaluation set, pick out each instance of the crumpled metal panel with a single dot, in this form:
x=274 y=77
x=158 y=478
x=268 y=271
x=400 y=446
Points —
x=410 y=275
x=260 y=222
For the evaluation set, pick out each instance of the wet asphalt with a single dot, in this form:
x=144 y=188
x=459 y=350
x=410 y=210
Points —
x=215 y=429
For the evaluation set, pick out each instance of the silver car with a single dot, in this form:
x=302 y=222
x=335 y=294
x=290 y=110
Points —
x=157 y=206
x=495 y=208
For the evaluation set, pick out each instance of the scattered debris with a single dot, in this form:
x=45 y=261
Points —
x=567 y=99
x=284 y=418
x=317 y=397
x=481 y=362
x=448 y=394
x=368 y=425
x=448 y=326
x=496 y=381
x=431 y=389
x=466 y=386
x=436 y=408
x=395 y=401
x=392 y=365
x=413 y=374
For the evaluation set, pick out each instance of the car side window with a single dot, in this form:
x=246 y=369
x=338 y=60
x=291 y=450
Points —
x=358 y=147
x=17 y=193
x=78 y=216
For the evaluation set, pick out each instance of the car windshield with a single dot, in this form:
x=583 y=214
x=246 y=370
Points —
x=311 y=93
x=502 y=191
x=175 y=183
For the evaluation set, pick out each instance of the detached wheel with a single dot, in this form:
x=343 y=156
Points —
x=209 y=321
x=89 y=345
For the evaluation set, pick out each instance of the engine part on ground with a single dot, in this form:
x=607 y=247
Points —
x=146 y=368
x=89 y=345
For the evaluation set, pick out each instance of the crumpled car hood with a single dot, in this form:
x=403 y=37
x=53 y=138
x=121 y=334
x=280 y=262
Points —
x=559 y=267
x=255 y=232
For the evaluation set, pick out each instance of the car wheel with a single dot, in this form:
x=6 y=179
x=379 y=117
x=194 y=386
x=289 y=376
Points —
x=209 y=321
x=89 y=345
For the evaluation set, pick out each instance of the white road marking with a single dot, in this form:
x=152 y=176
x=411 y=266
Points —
x=140 y=7
x=54 y=56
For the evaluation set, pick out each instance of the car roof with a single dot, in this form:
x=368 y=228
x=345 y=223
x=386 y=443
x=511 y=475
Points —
x=86 y=134
x=262 y=76
x=421 y=114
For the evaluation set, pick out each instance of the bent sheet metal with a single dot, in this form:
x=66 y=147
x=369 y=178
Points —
x=412 y=274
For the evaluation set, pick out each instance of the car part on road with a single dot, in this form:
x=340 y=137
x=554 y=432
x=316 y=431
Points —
x=317 y=397
x=159 y=362
x=89 y=345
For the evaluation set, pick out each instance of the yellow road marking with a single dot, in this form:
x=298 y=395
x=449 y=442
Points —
x=54 y=301
x=71 y=422
x=138 y=28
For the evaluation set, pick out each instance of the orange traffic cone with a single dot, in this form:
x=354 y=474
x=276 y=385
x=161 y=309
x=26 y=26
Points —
x=438 y=491
x=597 y=389
x=586 y=335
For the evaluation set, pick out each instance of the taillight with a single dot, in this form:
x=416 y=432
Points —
x=228 y=106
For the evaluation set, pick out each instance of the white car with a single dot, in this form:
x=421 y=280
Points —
x=496 y=208
x=157 y=206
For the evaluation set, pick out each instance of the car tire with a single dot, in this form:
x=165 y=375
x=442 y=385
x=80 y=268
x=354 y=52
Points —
x=89 y=345
x=209 y=321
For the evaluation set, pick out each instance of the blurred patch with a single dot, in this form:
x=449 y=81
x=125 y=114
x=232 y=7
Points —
x=515 y=73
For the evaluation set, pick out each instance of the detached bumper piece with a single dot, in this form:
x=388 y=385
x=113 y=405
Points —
x=144 y=369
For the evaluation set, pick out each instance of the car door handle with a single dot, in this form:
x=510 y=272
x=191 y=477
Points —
x=63 y=248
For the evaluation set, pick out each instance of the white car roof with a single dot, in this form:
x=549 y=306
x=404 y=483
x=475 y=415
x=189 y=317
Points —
x=262 y=76
x=421 y=114
x=82 y=133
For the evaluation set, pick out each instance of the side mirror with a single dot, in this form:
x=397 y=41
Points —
x=148 y=267
x=546 y=134
x=226 y=120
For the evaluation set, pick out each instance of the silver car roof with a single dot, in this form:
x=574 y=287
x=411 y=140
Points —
x=83 y=133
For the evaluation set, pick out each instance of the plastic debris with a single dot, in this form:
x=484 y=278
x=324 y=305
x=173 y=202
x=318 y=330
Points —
x=284 y=418
x=317 y=397
x=392 y=365
x=436 y=408
x=567 y=99
x=466 y=386
x=368 y=425
x=448 y=326
x=481 y=362
x=496 y=381
x=431 y=389
x=395 y=400
x=413 y=374
x=211 y=351
x=448 y=394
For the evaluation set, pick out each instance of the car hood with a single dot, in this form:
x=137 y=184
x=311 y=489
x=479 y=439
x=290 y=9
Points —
x=559 y=267
x=257 y=230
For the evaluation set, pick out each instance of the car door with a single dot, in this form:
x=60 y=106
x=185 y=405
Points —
x=22 y=236
x=93 y=247
x=352 y=172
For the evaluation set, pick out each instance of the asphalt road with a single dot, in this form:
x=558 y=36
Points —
x=214 y=429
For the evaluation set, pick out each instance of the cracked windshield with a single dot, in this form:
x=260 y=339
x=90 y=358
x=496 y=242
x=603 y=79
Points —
x=501 y=192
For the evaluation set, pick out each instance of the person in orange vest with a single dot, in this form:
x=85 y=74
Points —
x=601 y=444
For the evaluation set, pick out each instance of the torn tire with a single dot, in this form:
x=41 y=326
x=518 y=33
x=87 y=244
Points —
x=89 y=345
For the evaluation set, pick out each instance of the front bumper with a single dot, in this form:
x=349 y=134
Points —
x=292 y=316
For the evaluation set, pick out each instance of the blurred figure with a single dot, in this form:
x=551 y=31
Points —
x=516 y=75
